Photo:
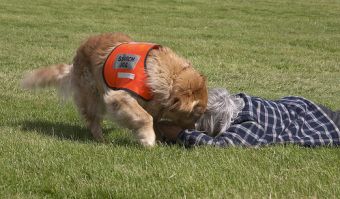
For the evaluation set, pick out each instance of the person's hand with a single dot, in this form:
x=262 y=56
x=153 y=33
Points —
x=168 y=130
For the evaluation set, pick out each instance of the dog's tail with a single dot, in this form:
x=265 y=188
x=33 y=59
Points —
x=58 y=76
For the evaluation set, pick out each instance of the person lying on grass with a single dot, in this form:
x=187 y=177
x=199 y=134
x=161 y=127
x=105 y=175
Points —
x=243 y=120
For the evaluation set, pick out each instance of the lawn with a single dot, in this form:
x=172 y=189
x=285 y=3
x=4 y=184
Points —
x=264 y=48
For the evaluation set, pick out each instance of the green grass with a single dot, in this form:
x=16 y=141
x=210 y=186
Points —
x=265 y=48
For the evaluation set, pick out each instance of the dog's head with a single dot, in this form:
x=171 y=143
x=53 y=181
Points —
x=188 y=99
x=179 y=88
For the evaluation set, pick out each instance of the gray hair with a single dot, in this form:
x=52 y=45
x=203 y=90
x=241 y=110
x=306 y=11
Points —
x=222 y=109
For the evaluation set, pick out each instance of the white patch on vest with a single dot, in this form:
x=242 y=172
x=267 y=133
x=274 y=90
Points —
x=126 y=75
x=126 y=61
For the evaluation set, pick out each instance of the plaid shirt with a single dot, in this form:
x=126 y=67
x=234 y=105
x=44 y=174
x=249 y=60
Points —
x=290 y=120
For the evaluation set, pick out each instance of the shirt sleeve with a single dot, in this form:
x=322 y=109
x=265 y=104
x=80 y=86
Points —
x=245 y=134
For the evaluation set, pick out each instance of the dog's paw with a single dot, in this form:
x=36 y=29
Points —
x=148 y=142
x=146 y=137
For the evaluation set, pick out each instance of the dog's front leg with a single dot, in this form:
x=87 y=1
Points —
x=126 y=111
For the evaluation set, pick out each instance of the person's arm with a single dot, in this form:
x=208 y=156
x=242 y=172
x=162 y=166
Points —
x=198 y=138
x=245 y=134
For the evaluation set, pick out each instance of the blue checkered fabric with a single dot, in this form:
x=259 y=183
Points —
x=290 y=120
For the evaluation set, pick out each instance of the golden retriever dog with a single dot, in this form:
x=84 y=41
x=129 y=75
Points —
x=179 y=92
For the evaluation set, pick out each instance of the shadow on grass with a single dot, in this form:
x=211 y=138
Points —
x=55 y=129
x=72 y=132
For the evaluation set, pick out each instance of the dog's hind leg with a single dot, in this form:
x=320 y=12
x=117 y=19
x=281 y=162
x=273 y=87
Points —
x=126 y=111
x=88 y=99
x=91 y=108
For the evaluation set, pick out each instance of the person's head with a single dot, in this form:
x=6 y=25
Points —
x=222 y=108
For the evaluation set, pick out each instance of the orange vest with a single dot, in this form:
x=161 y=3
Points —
x=125 y=67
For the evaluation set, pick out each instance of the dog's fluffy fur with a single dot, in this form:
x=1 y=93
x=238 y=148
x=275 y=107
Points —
x=179 y=91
